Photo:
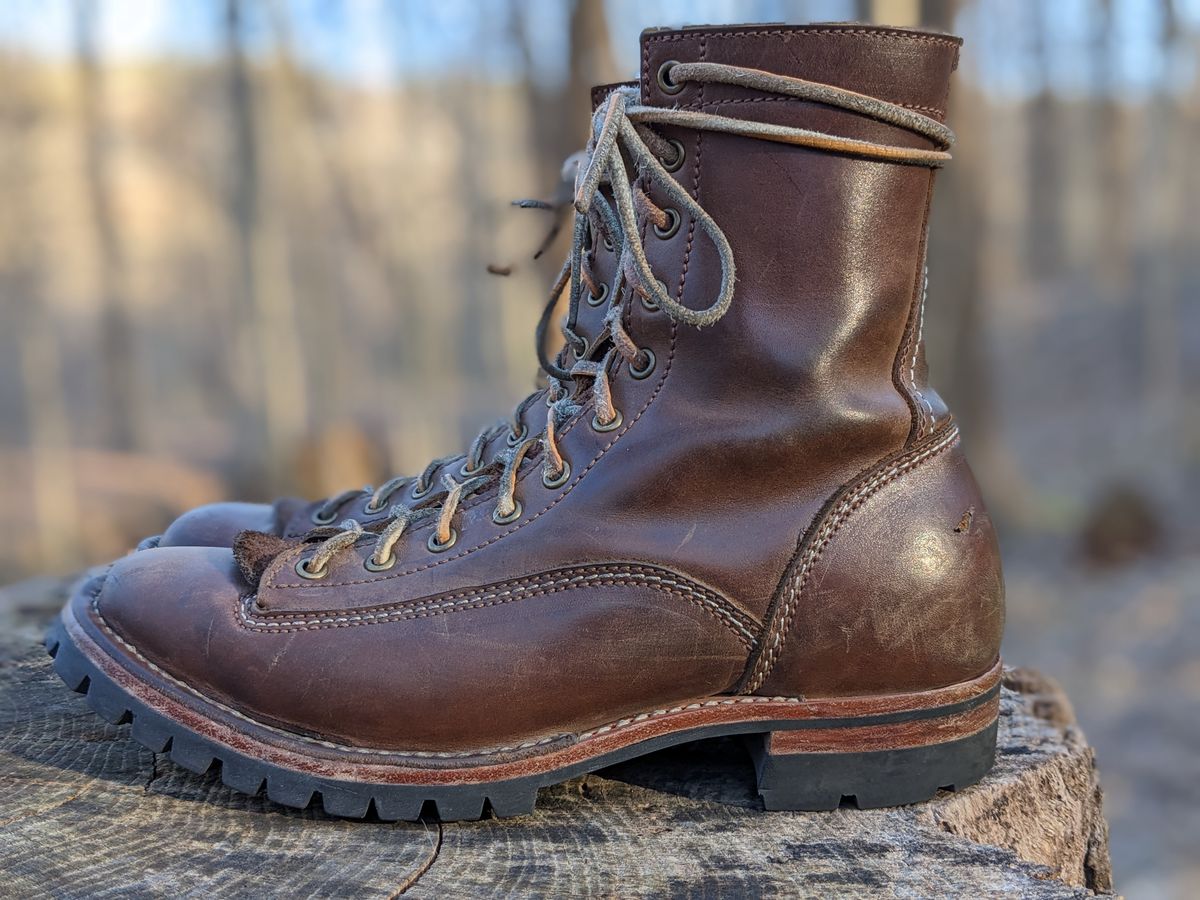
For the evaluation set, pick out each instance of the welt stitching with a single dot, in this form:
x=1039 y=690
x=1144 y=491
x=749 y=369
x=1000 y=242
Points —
x=834 y=520
x=415 y=754
x=783 y=32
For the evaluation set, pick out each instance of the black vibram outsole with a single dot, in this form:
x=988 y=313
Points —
x=795 y=781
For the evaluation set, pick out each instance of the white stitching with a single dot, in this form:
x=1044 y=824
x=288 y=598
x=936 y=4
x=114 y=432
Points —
x=418 y=754
x=912 y=368
x=525 y=587
x=833 y=521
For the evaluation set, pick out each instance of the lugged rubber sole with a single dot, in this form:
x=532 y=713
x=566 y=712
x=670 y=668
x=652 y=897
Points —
x=808 y=754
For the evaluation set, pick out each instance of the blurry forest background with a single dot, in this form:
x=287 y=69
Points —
x=244 y=250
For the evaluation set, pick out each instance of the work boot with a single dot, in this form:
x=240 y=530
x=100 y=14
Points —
x=743 y=512
x=218 y=524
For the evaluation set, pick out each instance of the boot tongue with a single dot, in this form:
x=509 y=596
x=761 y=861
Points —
x=253 y=551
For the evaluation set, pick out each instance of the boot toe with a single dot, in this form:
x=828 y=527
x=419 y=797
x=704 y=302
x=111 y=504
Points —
x=217 y=524
x=164 y=606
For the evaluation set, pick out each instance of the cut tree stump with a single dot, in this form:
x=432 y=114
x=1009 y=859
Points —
x=86 y=811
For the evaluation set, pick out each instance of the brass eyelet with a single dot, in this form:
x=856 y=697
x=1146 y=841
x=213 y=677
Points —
x=608 y=244
x=372 y=566
x=436 y=547
x=320 y=518
x=672 y=228
x=557 y=481
x=653 y=305
x=370 y=509
x=643 y=371
x=676 y=162
x=418 y=492
x=581 y=352
x=466 y=472
x=511 y=517
x=665 y=84
x=611 y=425
x=513 y=439
x=598 y=299
x=304 y=572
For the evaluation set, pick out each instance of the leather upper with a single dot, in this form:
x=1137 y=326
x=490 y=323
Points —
x=660 y=570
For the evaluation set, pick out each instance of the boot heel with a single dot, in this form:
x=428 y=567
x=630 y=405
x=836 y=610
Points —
x=817 y=768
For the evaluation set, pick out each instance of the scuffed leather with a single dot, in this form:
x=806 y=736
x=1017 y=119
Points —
x=726 y=456
x=906 y=595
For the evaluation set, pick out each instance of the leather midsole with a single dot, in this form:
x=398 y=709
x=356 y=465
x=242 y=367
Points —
x=797 y=724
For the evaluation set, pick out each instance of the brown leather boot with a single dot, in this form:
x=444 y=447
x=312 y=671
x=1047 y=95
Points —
x=745 y=513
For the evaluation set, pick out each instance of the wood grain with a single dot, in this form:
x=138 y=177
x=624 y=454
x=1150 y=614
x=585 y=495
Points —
x=84 y=811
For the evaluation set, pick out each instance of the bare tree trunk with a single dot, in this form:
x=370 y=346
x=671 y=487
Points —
x=957 y=241
x=359 y=219
x=53 y=511
x=1160 y=258
x=123 y=390
x=560 y=114
x=271 y=359
x=1044 y=234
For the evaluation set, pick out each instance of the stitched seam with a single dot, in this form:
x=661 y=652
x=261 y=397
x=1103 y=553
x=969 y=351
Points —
x=648 y=572
x=416 y=754
x=780 y=32
x=912 y=366
x=949 y=43
x=480 y=599
x=908 y=343
x=823 y=537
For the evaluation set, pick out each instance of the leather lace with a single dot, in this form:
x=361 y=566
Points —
x=622 y=128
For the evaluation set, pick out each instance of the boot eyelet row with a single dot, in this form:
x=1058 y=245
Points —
x=320 y=518
x=675 y=163
x=598 y=299
x=665 y=84
x=304 y=571
x=436 y=546
x=611 y=425
x=557 y=481
x=511 y=517
x=643 y=371
x=673 y=219
x=373 y=565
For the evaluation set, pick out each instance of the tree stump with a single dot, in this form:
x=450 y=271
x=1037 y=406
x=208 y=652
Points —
x=86 y=811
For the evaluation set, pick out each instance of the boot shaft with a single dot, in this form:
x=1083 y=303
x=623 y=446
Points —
x=829 y=247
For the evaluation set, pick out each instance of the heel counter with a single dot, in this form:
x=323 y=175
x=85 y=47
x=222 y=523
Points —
x=897 y=587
